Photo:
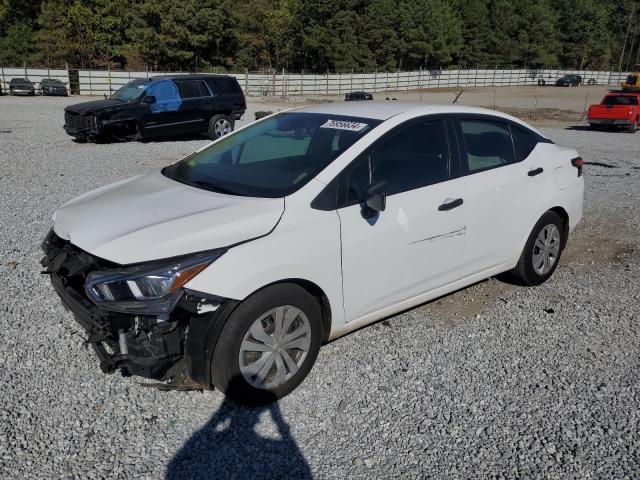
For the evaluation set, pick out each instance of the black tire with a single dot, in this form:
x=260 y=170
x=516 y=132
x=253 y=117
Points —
x=211 y=131
x=633 y=127
x=225 y=360
x=524 y=272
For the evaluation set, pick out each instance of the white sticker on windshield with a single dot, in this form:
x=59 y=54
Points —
x=344 y=125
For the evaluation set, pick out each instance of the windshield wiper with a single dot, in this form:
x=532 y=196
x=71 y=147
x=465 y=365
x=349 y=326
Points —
x=212 y=187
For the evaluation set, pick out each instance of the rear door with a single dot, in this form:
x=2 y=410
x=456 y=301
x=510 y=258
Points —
x=196 y=105
x=416 y=244
x=503 y=187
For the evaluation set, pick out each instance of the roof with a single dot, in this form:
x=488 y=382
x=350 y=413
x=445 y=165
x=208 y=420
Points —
x=383 y=110
x=190 y=76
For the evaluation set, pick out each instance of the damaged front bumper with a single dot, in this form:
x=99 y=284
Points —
x=174 y=347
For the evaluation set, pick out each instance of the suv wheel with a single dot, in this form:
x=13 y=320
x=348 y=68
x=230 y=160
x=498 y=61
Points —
x=541 y=254
x=633 y=127
x=219 y=126
x=268 y=345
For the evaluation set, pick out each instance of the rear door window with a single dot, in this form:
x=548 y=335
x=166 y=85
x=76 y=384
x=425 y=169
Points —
x=192 y=88
x=487 y=144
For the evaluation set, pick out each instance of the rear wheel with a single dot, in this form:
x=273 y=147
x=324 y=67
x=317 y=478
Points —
x=541 y=254
x=268 y=345
x=219 y=126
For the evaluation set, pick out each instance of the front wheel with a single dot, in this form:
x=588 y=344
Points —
x=633 y=127
x=541 y=254
x=268 y=345
x=219 y=126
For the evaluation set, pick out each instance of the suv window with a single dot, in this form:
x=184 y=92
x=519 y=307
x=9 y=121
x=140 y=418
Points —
x=192 y=88
x=524 y=142
x=487 y=144
x=227 y=85
x=414 y=156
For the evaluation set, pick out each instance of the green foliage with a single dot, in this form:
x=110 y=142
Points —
x=319 y=35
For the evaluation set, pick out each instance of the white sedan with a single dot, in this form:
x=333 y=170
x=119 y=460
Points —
x=231 y=267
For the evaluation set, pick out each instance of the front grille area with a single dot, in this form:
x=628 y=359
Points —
x=75 y=123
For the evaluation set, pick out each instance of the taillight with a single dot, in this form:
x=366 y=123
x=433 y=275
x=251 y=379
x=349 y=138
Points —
x=578 y=163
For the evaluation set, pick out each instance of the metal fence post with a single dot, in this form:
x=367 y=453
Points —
x=273 y=77
x=327 y=82
x=375 y=81
x=246 y=81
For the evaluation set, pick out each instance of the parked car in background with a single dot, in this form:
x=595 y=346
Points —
x=632 y=82
x=53 y=87
x=231 y=267
x=357 y=96
x=620 y=110
x=160 y=106
x=21 y=86
x=570 y=80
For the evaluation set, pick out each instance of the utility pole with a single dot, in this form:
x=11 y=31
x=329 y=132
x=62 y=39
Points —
x=624 y=44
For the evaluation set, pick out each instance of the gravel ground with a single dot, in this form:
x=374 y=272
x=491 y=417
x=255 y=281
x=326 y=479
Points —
x=493 y=381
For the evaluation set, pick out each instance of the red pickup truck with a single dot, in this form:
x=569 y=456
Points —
x=616 y=110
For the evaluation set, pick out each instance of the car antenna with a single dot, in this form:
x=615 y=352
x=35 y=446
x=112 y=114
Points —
x=458 y=96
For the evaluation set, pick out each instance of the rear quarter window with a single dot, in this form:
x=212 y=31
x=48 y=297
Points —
x=524 y=142
x=226 y=85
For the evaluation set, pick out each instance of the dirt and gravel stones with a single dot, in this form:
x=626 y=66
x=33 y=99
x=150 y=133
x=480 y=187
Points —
x=494 y=381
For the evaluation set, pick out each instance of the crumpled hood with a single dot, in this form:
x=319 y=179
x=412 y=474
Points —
x=153 y=217
x=93 y=106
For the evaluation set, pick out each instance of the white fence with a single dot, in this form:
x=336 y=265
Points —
x=36 y=75
x=284 y=84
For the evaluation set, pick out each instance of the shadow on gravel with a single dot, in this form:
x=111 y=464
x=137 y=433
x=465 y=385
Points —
x=228 y=447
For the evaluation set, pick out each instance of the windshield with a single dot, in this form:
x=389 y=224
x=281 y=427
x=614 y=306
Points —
x=620 y=100
x=20 y=81
x=272 y=158
x=51 y=81
x=131 y=92
x=632 y=79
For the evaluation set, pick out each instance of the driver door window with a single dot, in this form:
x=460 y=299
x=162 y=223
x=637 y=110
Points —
x=413 y=157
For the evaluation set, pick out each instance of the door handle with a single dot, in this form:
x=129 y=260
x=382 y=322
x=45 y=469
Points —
x=450 y=205
x=537 y=171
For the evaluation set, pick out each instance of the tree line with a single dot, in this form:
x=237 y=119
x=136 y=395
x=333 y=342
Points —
x=320 y=35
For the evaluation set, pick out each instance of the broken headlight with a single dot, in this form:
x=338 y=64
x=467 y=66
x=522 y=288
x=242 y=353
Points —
x=149 y=289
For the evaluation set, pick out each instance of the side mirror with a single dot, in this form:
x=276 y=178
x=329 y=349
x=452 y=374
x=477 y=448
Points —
x=149 y=99
x=375 y=199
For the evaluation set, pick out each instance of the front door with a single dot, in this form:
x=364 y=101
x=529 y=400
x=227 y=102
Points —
x=161 y=116
x=416 y=243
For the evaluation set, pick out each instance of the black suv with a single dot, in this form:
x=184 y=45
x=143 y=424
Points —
x=21 y=86
x=569 y=80
x=160 y=106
